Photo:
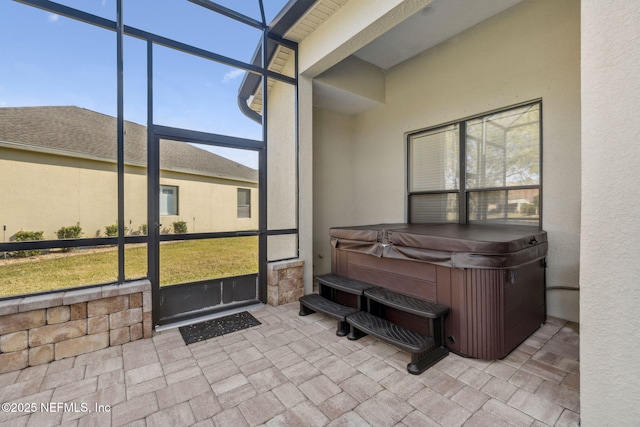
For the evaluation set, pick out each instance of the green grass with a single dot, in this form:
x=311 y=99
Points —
x=180 y=262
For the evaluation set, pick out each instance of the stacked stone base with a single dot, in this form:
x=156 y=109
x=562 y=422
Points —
x=285 y=280
x=40 y=329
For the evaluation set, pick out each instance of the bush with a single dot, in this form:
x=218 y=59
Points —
x=22 y=236
x=112 y=230
x=143 y=229
x=179 y=227
x=69 y=232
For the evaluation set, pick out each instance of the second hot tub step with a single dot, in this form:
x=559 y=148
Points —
x=314 y=302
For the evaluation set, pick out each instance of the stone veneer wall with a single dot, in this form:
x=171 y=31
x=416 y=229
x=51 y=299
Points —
x=284 y=281
x=39 y=329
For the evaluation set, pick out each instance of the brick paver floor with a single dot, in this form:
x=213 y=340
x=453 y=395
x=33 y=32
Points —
x=295 y=371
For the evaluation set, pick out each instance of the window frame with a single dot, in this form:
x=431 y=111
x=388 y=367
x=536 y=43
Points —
x=464 y=193
x=176 y=201
x=240 y=214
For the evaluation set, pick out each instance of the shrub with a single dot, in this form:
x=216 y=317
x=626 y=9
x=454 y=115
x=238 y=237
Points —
x=112 y=230
x=179 y=227
x=22 y=236
x=69 y=232
x=143 y=229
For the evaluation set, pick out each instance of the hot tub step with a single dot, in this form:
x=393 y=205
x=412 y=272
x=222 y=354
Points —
x=415 y=306
x=389 y=332
x=314 y=302
x=343 y=284
x=423 y=349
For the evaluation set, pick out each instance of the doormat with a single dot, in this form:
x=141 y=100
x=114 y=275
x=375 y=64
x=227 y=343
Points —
x=216 y=327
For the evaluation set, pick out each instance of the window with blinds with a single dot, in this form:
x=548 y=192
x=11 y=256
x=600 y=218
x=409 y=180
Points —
x=244 y=203
x=486 y=169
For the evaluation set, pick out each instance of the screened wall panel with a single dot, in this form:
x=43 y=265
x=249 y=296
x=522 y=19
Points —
x=95 y=124
x=101 y=8
x=199 y=188
x=195 y=93
x=186 y=261
x=195 y=25
x=282 y=247
x=58 y=145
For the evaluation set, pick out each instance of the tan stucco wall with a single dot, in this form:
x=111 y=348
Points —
x=528 y=52
x=209 y=204
x=610 y=288
x=333 y=175
x=282 y=185
x=43 y=192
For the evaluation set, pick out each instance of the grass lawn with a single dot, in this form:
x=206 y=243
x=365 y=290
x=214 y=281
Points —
x=180 y=262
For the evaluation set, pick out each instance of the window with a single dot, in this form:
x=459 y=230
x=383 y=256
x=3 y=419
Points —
x=168 y=200
x=244 y=203
x=486 y=169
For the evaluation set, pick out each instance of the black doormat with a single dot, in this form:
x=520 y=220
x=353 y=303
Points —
x=216 y=327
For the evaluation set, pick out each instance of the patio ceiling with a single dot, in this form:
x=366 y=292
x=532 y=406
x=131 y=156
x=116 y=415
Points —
x=436 y=23
x=439 y=21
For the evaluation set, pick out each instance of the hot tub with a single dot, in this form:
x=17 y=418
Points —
x=492 y=277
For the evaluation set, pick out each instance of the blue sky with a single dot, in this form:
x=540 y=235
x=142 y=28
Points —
x=53 y=60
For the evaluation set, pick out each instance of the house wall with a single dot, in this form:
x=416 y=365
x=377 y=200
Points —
x=43 y=192
x=333 y=174
x=282 y=191
x=609 y=322
x=208 y=204
x=530 y=51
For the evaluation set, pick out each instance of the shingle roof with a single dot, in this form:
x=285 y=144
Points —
x=77 y=131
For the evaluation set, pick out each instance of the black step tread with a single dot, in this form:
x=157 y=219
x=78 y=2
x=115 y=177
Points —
x=390 y=332
x=337 y=311
x=412 y=305
x=344 y=284
x=426 y=361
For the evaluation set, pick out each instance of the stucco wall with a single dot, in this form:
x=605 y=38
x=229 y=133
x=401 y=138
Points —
x=528 y=52
x=333 y=174
x=609 y=322
x=44 y=192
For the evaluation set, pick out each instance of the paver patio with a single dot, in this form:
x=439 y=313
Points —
x=295 y=371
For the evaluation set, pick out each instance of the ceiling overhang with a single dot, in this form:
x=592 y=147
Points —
x=434 y=24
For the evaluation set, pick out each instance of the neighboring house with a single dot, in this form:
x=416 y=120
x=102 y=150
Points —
x=57 y=168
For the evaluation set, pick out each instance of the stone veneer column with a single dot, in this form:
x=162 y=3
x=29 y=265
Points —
x=284 y=282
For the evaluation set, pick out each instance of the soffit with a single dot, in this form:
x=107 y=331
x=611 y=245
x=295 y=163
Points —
x=313 y=18
x=278 y=62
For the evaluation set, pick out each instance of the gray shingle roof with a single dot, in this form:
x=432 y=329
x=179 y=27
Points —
x=77 y=131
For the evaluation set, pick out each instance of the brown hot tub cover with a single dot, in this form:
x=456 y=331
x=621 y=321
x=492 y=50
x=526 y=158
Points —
x=450 y=245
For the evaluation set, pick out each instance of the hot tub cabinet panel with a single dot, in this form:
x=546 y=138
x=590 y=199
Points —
x=492 y=309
